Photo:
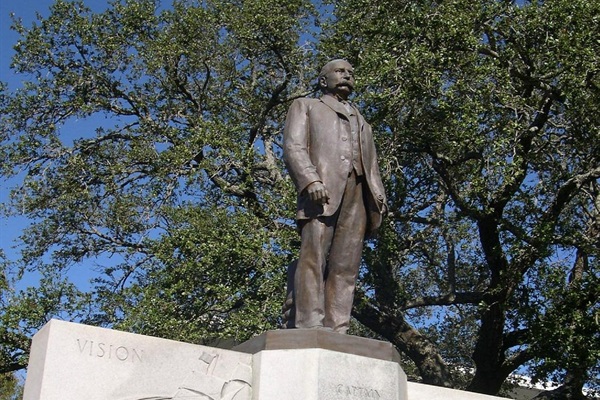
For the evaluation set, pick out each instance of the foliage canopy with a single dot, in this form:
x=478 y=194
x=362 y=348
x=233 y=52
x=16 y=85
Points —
x=145 y=144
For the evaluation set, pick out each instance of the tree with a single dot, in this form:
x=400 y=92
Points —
x=10 y=388
x=488 y=113
x=174 y=192
x=25 y=311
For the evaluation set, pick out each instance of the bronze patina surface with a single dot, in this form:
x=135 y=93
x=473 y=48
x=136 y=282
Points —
x=330 y=155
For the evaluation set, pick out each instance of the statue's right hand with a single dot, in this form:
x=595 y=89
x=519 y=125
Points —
x=318 y=193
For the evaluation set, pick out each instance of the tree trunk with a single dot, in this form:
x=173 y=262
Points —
x=572 y=389
x=489 y=354
x=418 y=348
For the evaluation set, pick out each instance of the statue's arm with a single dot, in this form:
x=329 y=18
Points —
x=377 y=185
x=296 y=146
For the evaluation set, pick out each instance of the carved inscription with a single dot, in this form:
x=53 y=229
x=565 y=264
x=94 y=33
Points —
x=358 y=392
x=109 y=351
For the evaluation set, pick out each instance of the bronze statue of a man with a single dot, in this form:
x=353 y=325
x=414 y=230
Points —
x=329 y=152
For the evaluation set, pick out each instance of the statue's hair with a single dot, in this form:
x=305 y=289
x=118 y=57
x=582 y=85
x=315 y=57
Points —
x=327 y=66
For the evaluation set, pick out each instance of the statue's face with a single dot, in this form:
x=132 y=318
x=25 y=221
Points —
x=338 y=79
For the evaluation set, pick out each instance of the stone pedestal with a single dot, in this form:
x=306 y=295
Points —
x=320 y=365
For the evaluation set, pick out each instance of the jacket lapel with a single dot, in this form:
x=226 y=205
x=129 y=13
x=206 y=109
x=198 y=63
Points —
x=335 y=105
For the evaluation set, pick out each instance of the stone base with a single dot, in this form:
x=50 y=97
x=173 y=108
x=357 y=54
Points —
x=295 y=339
x=73 y=362
x=419 y=391
x=320 y=365
x=317 y=374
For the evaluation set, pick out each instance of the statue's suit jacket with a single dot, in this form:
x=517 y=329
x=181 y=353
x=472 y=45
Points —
x=317 y=146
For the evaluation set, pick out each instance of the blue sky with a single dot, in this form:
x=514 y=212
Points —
x=26 y=10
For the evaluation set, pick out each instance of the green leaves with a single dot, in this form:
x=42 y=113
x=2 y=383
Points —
x=473 y=102
x=144 y=147
x=218 y=276
x=147 y=143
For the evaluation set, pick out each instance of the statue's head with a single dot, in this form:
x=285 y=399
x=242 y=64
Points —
x=337 y=77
